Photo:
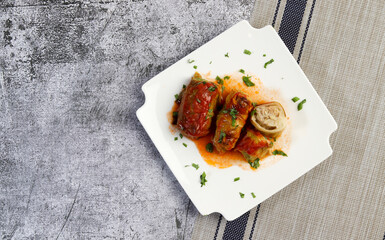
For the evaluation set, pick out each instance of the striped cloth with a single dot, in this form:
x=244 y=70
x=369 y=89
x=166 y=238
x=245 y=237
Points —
x=340 y=45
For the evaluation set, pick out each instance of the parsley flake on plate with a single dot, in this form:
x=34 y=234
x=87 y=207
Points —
x=300 y=105
x=268 y=62
x=295 y=99
x=279 y=152
x=219 y=80
x=209 y=147
x=247 y=81
x=242 y=71
x=247 y=52
x=196 y=166
x=241 y=194
x=203 y=179
x=236 y=179
x=254 y=164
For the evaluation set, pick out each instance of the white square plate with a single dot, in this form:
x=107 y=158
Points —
x=311 y=127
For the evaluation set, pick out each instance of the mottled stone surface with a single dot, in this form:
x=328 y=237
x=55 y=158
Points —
x=74 y=161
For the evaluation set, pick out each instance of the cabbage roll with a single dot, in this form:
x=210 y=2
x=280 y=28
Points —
x=231 y=120
x=197 y=106
x=253 y=145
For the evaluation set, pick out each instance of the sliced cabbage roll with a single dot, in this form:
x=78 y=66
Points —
x=270 y=119
x=254 y=146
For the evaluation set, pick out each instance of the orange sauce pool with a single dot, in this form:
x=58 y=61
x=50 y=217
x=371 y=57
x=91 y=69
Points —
x=258 y=94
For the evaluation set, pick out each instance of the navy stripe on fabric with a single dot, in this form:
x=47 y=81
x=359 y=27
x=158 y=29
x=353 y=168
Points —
x=219 y=224
x=304 y=36
x=291 y=22
x=255 y=220
x=384 y=237
x=236 y=229
x=276 y=12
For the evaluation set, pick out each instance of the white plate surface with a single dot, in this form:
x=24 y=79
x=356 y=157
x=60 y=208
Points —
x=311 y=127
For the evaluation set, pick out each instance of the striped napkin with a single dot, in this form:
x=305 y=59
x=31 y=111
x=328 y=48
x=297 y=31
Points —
x=340 y=45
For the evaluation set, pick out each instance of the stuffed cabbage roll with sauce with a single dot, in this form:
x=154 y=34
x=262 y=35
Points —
x=231 y=120
x=197 y=106
x=269 y=119
x=253 y=145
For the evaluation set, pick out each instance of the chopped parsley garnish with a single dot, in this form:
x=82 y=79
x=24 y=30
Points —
x=242 y=71
x=212 y=88
x=247 y=52
x=236 y=179
x=300 y=105
x=268 y=62
x=223 y=88
x=252 y=194
x=294 y=99
x=247 y=81
x=210 y=110
x=175 y=114
x=180 y=135
x=226 y=77
x=203 y=179
x=211 y=62
x=227 y=55
x=264 y=55
x=199 y=101
x=184 y=86
x=219 y=80
x=175 y=138
x=241 y=194
x=196 y=166
x=221 y=136
x=275 y=139
x=209 y=147
x=176 y=96
x=253 y=112
x=279 y=152
x=184 y=144
x=254 y=164
x=233 y=113
x=254 y=104
x=195 y=67
x=190 y=61
x=225 y=111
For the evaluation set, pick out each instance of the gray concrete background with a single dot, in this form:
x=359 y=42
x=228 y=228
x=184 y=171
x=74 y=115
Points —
x=74 y=161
